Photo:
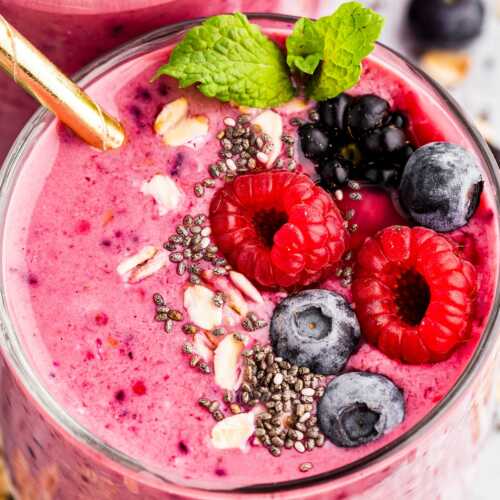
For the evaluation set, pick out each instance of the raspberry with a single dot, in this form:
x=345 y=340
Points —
x=278 y=228
x=414 y=294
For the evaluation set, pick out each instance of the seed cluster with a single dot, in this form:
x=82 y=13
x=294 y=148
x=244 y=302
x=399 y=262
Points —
x=165 y=314
x=191 y=245
x=244 y=147
x=195 y=361
x=252 y=322
x=289 y=393
x=213 y=407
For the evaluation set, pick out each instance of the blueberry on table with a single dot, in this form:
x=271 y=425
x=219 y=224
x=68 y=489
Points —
x=446 y=23
x=332 y=113
x=441 y=186
x=316 y=329
x=314 y=141
x=366 y=113
x=360 y=407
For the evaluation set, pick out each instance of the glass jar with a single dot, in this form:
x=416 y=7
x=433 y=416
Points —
x=52 y=456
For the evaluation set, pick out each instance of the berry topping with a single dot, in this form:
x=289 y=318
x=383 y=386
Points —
x=382 y=141
x=334 y=173
x=414 y=294
x=314 y=141
x=441 y=186
x=357 y=138
x=278 y=228
x=316 y=329
x=446 y=23
x=366 y=113
x=360 y=407
x=332 y=112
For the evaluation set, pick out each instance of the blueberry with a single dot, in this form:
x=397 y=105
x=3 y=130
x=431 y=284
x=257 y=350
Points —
x=372 y=174
x=398 y=119
x=315 y=141
x=332 y=112
x=366 y=113
x=315 y=328
x=382 y=141
x=383 y=174
x=441 y=186
x=403 y=154
x=389 y=177
x=334 y=173
x=446 y=23
x=360 y=407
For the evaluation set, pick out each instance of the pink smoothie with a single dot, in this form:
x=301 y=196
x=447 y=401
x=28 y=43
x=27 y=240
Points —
x=73 y=33
x=77 y=214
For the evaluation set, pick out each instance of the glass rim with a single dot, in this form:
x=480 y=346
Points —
x=87 y=6
x=12 y=349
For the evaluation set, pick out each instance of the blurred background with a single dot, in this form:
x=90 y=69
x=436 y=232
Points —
x=456 y=41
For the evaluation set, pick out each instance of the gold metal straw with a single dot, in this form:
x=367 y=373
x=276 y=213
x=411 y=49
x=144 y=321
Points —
x=31 y=69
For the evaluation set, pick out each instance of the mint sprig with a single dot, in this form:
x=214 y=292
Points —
x=305 y=46
x=230 y=59
x=332 y=48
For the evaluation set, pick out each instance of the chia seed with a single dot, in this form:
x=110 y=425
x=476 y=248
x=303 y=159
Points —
x=218 y=332
x=176 y=257
x=219 y=299
x=231 y=165
x=214 y=171
x=218 y=415
x=204 y=368
x=220 y=271
x=194 y=279
x=236 y=409
x=175 y=315
x=195 y=359
x=187 y=348
x=305 y=467
x=158 y=299
x=209 y=183
x=204 y=402
x=187 y=220
x=161 y=317
x=181 y=268
x=189 y=329
x=199 y=190
x=168 y=326
x=200 y=219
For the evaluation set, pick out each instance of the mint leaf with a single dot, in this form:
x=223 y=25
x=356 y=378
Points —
x=340 y=41
x=230 y=59
x=304 y=46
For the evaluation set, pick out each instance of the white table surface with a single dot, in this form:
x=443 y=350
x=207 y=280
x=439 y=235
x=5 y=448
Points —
x=479 y=94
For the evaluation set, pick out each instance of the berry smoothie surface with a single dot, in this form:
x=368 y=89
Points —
x=86 y=314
